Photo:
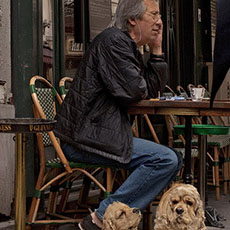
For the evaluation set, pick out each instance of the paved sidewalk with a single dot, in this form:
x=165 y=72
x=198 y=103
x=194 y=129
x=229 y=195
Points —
x=7 y=225
x=222 y=206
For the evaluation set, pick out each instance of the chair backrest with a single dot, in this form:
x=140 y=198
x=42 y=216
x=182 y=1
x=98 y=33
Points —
x=206 y=94
x=44 y=97
x=181 y=91
x=63 y=85
x=190 y=86
x=171 y=121
x=168 y=92
x=215 y=120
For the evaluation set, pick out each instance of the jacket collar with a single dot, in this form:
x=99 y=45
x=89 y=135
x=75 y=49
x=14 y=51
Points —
x=134 y=44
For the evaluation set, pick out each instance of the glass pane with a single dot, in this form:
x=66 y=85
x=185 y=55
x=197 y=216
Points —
x=47 y=31
x=73 y=50
x=114 y=6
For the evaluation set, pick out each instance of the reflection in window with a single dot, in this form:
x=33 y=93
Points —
x=73 y=50
x=47 y=32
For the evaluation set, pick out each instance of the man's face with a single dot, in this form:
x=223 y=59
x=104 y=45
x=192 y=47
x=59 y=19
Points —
x=149 y=26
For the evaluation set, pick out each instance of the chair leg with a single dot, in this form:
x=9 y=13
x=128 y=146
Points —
x=147 y=218
x=193 y=168
x=40 y=177
x=64 y=196
x=53 y=196
x=109 y=182
x=225 y=170
x=52 y=202
x=84 y=193
x=216 y=165
x=228 y=156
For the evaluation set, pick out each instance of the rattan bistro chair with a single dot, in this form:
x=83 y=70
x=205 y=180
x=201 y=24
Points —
x=218 y=145
x=63 y=87
x=118 y=175
x=60 y=171
x=221 y=145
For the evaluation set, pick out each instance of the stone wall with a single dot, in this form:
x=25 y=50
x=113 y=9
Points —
x=5 y=51
x=7 y=150
x=7 y=162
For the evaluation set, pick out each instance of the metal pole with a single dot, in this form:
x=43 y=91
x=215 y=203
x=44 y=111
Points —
x=202 y=166
x=20 y=180
x=188 y=146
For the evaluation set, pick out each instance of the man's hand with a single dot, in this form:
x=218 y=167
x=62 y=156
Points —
x=156 y=44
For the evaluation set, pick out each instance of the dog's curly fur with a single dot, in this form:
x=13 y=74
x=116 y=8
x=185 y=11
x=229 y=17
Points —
x=180 y=208
x=119 y=216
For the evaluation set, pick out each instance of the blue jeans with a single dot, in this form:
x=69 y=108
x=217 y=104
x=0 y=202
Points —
x=153 y=167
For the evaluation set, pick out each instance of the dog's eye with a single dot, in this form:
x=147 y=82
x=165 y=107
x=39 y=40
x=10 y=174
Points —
x=122 y=213
x=175 y=202
x=190 y=203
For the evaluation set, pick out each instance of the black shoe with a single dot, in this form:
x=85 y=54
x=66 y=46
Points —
x=215 y=213
x=211 y=220
x=87 y=224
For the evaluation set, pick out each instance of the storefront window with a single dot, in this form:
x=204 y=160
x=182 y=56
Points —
x=73 y=50
x=47 y=34
x=114 y=6
x=98 y=17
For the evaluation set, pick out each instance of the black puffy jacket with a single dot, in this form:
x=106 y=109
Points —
x=93 y=117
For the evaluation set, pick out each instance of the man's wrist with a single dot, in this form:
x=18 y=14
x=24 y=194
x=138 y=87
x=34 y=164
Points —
x=157 y=56
x=156 y=50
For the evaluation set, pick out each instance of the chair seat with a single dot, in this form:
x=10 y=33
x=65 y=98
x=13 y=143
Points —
x=194 y=152
x=179 y=144
x=203 y=129
x=56 y=163
x=220 y=141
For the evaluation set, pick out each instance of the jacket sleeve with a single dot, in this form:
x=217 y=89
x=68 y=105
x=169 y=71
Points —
x=121 y=73
x=156 y=75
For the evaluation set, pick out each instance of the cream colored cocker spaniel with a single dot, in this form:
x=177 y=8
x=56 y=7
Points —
x=119 y=216
x=180 y=208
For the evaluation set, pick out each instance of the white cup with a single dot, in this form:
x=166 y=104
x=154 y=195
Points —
x=197 y=94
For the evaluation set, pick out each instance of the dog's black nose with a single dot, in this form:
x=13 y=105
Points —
x=179 y=210
x=136 y=210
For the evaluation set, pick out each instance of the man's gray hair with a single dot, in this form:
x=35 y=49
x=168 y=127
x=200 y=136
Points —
x=128 y=9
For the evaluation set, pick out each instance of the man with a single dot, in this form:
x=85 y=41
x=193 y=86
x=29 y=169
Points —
x=93 y=121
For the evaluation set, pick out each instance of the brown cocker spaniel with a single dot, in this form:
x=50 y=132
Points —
x=119 y=216
x=180 y=208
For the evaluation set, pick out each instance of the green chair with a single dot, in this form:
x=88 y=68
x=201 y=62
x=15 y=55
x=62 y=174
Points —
x=64 y=84
x=203 y=130
x=58 y=174
x=121 y=174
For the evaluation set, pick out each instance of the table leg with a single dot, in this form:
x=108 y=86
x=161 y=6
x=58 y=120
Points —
x=20 y=182
x=188 y=146
x=202 y=166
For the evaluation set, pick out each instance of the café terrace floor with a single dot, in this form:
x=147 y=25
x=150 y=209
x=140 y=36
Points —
x=222 y=206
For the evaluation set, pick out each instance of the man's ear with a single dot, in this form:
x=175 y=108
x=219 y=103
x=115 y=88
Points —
x=132 y=21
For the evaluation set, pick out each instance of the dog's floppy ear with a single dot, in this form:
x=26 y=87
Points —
x=108 y=225
x=162 y=207
x=199 y=209
x=200 y=215
x=164 y=213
